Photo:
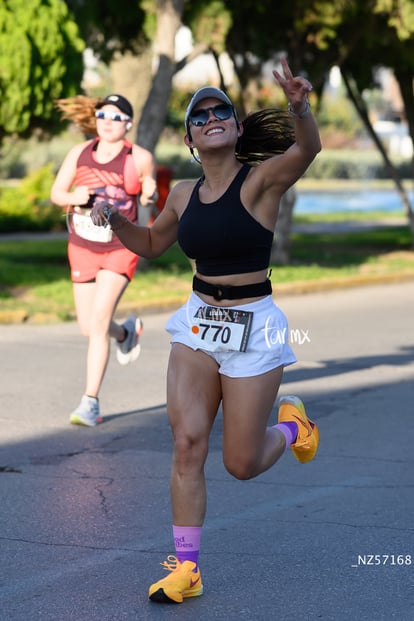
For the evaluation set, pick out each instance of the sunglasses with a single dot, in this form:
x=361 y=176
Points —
x=222 y=112
x=113 y=116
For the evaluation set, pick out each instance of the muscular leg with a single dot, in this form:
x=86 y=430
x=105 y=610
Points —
x=95 y=305
x=249 y=446
x=194 y=393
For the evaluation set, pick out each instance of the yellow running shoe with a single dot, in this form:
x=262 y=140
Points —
x=292 y=410
x=182 y=582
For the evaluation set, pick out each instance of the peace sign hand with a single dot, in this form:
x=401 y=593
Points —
x=296 y=88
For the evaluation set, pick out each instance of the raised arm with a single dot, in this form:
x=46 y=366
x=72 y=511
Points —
x=294 y=162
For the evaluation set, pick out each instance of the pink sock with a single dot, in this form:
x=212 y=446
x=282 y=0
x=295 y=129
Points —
x=289 y=430
x=187 y=542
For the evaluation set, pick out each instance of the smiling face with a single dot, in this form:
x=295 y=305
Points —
x=211 y=124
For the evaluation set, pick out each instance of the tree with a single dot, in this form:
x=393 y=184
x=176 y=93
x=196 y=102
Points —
x=109 y=28
x=209 y=23
x=357 y=36
x=120 y=32
x=40 y=59
x=168 y=20
x=374 y=34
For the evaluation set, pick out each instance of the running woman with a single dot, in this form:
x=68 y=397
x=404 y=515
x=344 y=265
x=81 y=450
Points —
x=225 y=341
x=109 y=169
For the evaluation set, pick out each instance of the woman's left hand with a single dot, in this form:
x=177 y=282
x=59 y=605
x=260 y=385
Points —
x=296 y=88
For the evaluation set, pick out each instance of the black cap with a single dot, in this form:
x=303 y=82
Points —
x=117 y=100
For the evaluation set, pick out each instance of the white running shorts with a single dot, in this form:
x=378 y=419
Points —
x=240 y=350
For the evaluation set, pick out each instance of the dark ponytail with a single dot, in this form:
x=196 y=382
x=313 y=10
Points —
x=266 y=133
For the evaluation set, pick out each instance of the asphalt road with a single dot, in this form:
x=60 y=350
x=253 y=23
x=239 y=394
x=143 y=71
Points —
x=85 y=513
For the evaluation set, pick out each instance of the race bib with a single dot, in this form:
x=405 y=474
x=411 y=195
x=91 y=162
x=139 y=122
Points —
x=85 y=228
x=221 y=329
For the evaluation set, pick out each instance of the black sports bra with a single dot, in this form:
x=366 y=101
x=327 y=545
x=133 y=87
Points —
x=222 y=236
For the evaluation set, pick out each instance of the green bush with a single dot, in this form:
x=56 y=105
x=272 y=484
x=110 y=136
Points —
x=354 y=164
x=27 y=207
x=11 y=153
x=337 y=114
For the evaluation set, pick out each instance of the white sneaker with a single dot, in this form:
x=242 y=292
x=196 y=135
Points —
x=87 y=412
x=130 y=348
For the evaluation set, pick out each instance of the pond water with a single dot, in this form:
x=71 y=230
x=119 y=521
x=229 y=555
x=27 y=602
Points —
x=308 y=202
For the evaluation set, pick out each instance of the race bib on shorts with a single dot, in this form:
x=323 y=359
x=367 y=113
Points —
x=85 y=228
x=221 y=329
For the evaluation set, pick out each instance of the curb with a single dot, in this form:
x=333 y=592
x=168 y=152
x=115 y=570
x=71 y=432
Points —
x=281 y=290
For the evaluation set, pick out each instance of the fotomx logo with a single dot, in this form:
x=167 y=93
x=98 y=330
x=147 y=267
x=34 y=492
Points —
x=277 y=336
x=180 y=543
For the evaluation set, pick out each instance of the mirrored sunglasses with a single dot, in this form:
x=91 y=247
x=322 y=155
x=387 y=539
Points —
x=222 y=112
x=113 y=116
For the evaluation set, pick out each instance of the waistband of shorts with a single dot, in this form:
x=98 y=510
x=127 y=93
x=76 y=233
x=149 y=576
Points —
x=229 y=292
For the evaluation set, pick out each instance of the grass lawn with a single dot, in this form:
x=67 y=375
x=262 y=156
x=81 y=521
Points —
x=35 y=285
